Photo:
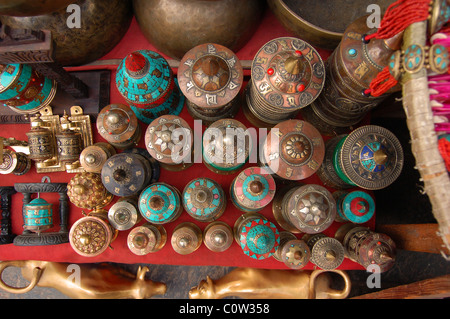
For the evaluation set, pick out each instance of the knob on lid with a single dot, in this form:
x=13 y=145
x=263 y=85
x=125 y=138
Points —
x=295 y=254
x=186 y=238
x=90 y=236
x=218 y=236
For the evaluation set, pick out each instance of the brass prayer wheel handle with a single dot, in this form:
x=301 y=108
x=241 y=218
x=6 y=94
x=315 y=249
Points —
x=37 y=272
x=332 y=294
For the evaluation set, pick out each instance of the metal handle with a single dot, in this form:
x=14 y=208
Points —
x=333 y=294
x=37 y=272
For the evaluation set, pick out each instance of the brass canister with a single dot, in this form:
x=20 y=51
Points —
x=93 y=157
x=69 y=143
x=119 y=126
x=86 y=190
x=16 y=163
x=285 y=236
x=41 y=141
x=124 y=214
x=146 y=239
x=294 y=149
x=218 y=236
x=211 y=76
x=186 y=238
x=327 y=253
x=309 y=209
x=295 y=254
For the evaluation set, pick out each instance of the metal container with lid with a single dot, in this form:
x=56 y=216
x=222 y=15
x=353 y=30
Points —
x=91 y=235
x=16 y=163
x=218 y=236
x=186 y=238
x=204 y=199
x=86 y=190
x=146 y=239
x=119 y=126
x=285 y=236
x=227 y=145
x=69 y=143
x=367 y=247
x=155 y=167
x=287 y=75
x=41 y=141
x=309 y=209
x=258 y=237
x=295 y=254
x=211 y=76
x=126 y=174
x=160 y=203
x=145 y=79
x=169 y=140
x=356 y=206
x=124 y=214
x=327 y=253
x=93 y=157
x=252 y=189
x=38 y=215
x=294 y=149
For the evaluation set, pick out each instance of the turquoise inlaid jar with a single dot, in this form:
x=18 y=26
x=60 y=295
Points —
x=204 y=199
x=38 y=215
x=160 y=203
x=145 y=79
x=357 y=207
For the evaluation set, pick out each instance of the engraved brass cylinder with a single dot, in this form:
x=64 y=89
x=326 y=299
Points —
x=16 y=163
x=146 y=239
x=327 y=253
x=186 y=238
x=218 y=236
x=124 y=214
x=40 y=140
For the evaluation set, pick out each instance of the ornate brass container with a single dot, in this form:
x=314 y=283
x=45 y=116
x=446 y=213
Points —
x=126 y=174
x=211 y=77
x=252 y=189
x=287 y=75
x=108 y=21
x=160 y=203
x=156 y=170
x=258 y=237
x=186 y=238
x=119 y=126
x=16 y=163
x=326 y=253
x=294 y=149
x=295 y=254
x=285 y=236
x=176 y=26
x=309 y=209
x=69 y=143
x=367 y=247
x=226 y=146
x=40 y=141
x=24 y=90
x=145 y=79
x=86 y=190
x=146 y=239
x=169 y=140
x=357 y=207
x=218 y=236
x=204 y=199
x=93 y=157
x=91 y=235
x=38 y=215
x=124 y=214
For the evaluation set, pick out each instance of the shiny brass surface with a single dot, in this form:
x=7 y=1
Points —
x=254 y=283
x=295 y=254
x=93 y=157
x=186 y=238
x=86 y=190
x=97 y=281
x=176 y=26
x=124 y=214
x=146 y=239
x=218 y=236
x=285 y=236
x=40 y=140
x=327 y=253
x=16 y=163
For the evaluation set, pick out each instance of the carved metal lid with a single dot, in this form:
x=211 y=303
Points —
x=146 y=239
x=10 y=162
x=86 y=190
x=124 y=214
x=371 y=157
x=377 y=249
x=169 y=139
x=288 y=73
x=327 y=253
x=204 y=199
x=218 y=236
x=253 y=189
x=259 y=238
x=155 y=168
x=294 y=149
x=93 y=157
x=295 y=254
x=186 y=238
x=210 y=75
x=117 y=123
x=160 y=203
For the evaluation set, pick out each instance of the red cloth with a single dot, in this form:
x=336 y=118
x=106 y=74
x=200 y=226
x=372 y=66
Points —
x=269 y=29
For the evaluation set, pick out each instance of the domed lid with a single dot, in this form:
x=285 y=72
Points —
x=117 y=123
x=38 y=202
x=146 y=239
x=210 y=75
x=186 y=238
x=377 y=249
x=86 y=190
x=143 y=77
x=159 y=203
x=294 y=149
x=259 y=238
x=169 y=139
x=218 y=236
x=288 y=73
x=123 y=215
x=358 y=207
x=311 y=208
x=204 y=199
x=327 y=253
x=92 y=158
x=254 y=188
x=295 y=254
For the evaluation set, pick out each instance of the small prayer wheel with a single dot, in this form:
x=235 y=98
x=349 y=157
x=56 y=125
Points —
x=124 y=214
x=357 y=207
x=211 y=76
x=119 y=126
x=93 y=157
x=295 y=254
x=86 y=190
x=16 y=163
x=160 y=203
x=204 y=199
x=285 y=236
x=146 y=239
x=253 y=189
x=38 y=215
x=294 y=150
x=69 y=143
x=218 y=236
x=41 y=141
x=326 y=253
x=186 y=238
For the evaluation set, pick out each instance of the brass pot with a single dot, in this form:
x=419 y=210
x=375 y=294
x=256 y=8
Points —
x=21 y=8
x=176 y=26
x=103 y=24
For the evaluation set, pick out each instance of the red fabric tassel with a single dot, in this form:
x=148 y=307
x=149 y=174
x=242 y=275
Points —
x=399 y=15
x=382 y=83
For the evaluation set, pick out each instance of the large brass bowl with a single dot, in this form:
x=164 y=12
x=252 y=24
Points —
x=103 y=25
x=22 y=8
x=322 y=23
x=176 y=26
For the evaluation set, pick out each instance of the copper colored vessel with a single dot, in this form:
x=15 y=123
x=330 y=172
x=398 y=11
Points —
x=176 y=26
x=22 y=8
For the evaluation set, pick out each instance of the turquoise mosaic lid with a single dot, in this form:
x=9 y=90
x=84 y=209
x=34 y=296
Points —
x=358 y=207
x=259 y=238
x=159 y=203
